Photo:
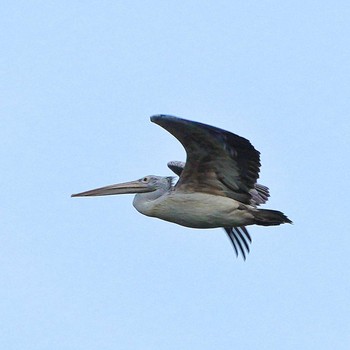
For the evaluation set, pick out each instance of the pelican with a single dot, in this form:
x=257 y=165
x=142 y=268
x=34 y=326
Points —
x=217 y=185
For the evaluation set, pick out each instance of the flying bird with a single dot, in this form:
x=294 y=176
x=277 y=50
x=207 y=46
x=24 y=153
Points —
x=217 y=185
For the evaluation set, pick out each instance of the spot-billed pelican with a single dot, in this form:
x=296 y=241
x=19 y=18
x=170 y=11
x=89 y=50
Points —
x=217 y=185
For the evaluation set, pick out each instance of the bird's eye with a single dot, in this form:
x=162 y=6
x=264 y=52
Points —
x=145 y=179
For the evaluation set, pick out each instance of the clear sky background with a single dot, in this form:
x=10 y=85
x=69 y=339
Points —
x=78 y=82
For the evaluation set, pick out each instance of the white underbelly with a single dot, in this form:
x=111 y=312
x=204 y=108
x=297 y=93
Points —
x=199 y=210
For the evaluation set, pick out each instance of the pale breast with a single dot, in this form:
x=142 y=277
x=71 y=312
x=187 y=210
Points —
x=198 y=210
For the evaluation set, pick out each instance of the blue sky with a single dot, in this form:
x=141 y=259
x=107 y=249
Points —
x=79 y=81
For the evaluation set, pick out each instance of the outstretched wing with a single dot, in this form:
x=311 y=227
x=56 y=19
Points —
x=218 y=162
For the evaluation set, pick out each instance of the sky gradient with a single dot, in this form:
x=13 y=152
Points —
x=78 y=84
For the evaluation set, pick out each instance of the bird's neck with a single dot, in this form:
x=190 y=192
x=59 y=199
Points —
x=145 y=202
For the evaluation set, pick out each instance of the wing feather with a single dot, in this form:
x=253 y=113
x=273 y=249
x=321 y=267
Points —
x=218 y=162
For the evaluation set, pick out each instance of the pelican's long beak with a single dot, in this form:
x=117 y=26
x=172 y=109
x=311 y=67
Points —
x=123 y=188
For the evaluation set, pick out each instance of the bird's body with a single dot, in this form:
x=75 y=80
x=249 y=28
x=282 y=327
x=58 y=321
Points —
x=196 y=210
x=217 y=185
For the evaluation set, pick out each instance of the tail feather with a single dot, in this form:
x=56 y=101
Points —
x=268 y=217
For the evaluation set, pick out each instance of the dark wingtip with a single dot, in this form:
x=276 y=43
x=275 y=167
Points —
x=164 y=119
x=155 y=118
x=238 y=237
x=229 y=234
x=287 y=220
